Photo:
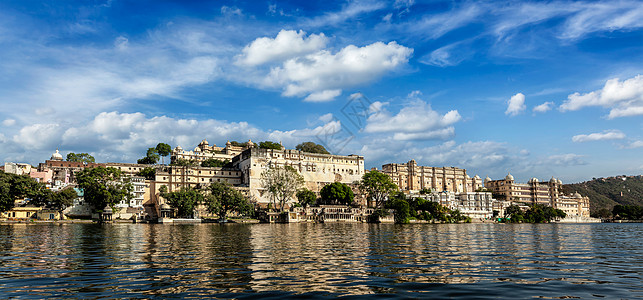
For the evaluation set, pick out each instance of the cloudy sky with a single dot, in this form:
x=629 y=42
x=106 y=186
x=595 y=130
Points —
x=533 y=88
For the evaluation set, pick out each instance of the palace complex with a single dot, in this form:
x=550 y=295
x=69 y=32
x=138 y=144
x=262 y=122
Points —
x=449 y=186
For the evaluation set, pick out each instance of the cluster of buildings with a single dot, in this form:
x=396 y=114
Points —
x=451 y=187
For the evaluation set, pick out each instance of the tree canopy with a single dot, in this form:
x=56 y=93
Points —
x=148 y=172
x=281 y=184
x=58 y=200
x=184 y=200
x=377 y=186
x=628 y=212
x=336 y=193
x=311 y=147
x=269 y=145
x=151 y=157
x=537 y=213
x=163 y=149
x=80 y=157
x=14 y=187
x=306 y=197
x=223 y=199
x=104 y=186
x=184 y=162
x=213 y=162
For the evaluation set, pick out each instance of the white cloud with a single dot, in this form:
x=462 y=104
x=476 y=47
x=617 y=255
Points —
x=348 y=12
x=325 y=71
x=231 y=11
x=634 y=145
x=569 y=159
x=599 y=136
x=287 y=44
x=545 y=107
x=38 y=136
x=624 y=98
x=516 y=105
x=326 y=118
x=326 y=95
x=415 y=121
x=8 y=122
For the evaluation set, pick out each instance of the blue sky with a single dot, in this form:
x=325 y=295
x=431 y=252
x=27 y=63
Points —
x=539 y=89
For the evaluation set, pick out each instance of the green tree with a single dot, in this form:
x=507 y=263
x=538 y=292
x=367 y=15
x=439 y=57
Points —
x=306 y=197
x=184 y=162
x=628 y=212
x=224 y=199
x=602 y=213
x=377 y=186
x=281 y=184
x=184 y=201
x=148 y=172
x=150 y=158
x=163 y=150
x=80 y=157
x=237 y=144
x=14 y=187
x=336 y=193
x=311 y=147
x=269 y=145
x=514 y=213
x=213 y=162
x=104 y=186
x=58 y=200
x=399 y=203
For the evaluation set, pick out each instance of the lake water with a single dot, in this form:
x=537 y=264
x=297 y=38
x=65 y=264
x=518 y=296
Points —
x=472 y=261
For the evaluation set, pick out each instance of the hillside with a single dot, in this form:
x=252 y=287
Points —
x=607 y=192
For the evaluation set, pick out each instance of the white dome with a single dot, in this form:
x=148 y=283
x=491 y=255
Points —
x=553 y=180
x=509 y=177
x=560 y=181
x=476 y=177
x=533 y=180
x=56 y=156
x=487 y=179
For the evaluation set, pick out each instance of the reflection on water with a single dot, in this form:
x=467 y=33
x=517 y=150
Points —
x=321 y=260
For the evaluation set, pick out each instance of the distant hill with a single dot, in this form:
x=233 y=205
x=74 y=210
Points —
x=610 y=191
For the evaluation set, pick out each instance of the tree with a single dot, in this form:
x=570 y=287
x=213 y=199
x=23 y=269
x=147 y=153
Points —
x=377 y=186
x=399 y=203
x=311 y=147
x=224 y=199
x=337 y=193
x=513 y=212
x=55 y=200
x=184 y=200
x=237 y=144
x=184 y=162
x=213 y=162
x=281 y=183
x=269 y=145
x=104 y=187
x=14 y=187
x=163 y=149
x=150 y=158
x=80 y=157
x=148 y=172
x=306 y=197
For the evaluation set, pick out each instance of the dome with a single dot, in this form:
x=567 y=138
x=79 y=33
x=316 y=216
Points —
x=56 y=156
x=467 y=176
x=509 y=177
x=487 y=179
x=204 y=142
x=197 y=149
x=560 y=181
x=476 y=177
x=577 y=195
x=533 y=180
x=178 y=148
x=250 y=143
x=553 y=180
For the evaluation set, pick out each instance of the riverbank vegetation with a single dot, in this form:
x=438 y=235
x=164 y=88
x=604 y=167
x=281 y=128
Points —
x=537 y=213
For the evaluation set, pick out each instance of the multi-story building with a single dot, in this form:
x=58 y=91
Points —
x=472 y=204
x=317 y=169
x=548 y=193
x=410 y=177
x=64 y=171
x=204 y=151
